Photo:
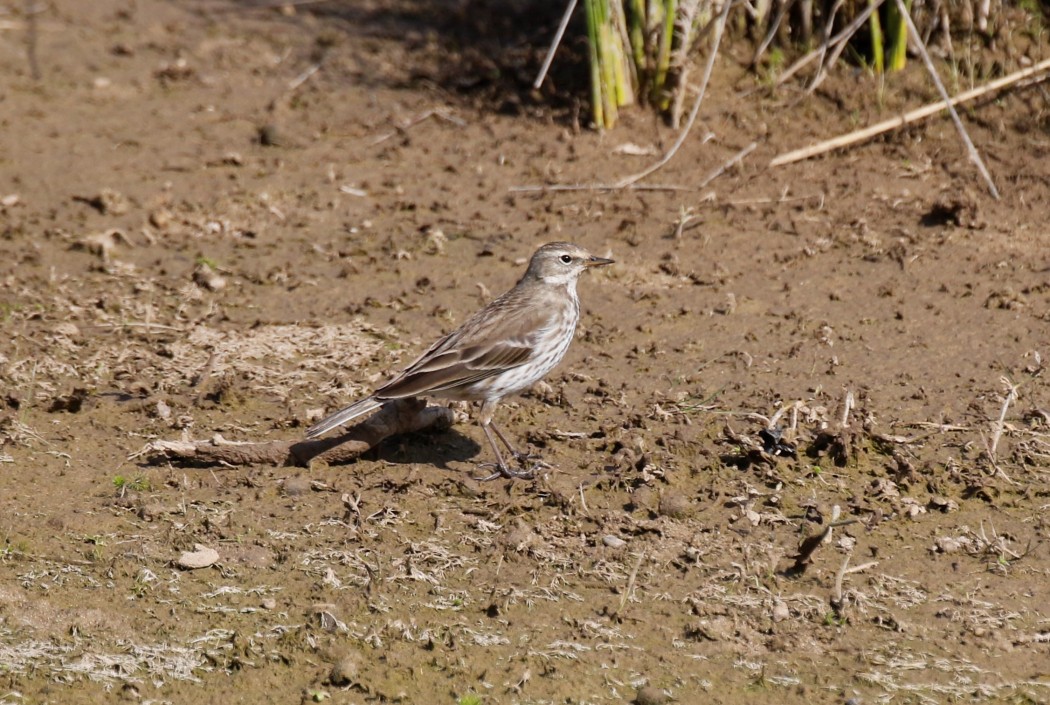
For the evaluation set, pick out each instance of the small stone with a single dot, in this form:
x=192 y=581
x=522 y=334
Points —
x=200 y=557
x=943 y=504
x=208 y=278
x=268 y=603
x=648 y=695
x=674 y=504
x=270 y=136
x=295 y=486
x=345 y=671
x=947 y=544
x=162 y=410
x=642 y=498
x=518 y=537
x=67 y=330
x=613 y=541
x=151 y=511
x=160 y=218
x=110 y=202
x=780 y=611
x=103 y=244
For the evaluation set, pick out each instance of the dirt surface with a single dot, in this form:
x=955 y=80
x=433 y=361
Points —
x=225 y=220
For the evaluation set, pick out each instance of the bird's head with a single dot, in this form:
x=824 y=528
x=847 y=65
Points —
x=562 y=263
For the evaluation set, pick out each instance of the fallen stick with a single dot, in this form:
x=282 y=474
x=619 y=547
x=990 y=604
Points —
x=394 y=418
x=734 y=160
x=908 y=118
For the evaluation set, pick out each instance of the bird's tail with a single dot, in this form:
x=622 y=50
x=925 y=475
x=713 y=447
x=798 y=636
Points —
x=342 y=416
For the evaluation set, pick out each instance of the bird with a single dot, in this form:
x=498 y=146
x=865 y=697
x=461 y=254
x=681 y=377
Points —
x=503 y=349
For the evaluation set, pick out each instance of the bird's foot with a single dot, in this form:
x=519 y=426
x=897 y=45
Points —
x=525 y=458
x=504 y=471
x=528 y=465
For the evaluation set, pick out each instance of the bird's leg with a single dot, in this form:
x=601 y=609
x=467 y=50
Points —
x=522 y=458
x=501 y=467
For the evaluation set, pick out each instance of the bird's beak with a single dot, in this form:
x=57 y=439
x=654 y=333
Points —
x=597 y=262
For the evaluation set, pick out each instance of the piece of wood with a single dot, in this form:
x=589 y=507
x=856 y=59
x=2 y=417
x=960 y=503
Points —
x=393 y=418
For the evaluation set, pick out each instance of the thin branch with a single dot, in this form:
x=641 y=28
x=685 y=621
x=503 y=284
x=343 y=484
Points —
x=974 y=154
x=908 y=118
x=772 y=33
x=826 y=39
x=827 y=63
x=630 y=584
x=1000 y=424
x=599 y=187
x=735 y=159
x=31 y=40
x=303 y=77
x=443 y=113
x=844 y=35
x=554 y=45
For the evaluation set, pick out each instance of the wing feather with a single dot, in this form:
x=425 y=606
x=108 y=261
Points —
x=499 y=337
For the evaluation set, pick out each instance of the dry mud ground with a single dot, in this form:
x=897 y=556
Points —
x=351 y=214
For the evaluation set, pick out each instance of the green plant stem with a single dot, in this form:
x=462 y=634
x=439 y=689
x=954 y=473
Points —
x=875 y=31
x=897 y=37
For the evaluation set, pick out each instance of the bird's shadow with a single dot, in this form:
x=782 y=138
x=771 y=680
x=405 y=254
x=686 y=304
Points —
x=435 y=448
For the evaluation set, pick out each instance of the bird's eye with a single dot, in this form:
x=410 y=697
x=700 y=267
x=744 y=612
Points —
x=567 y=259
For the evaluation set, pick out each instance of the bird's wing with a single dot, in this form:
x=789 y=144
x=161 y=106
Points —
x=482 y=347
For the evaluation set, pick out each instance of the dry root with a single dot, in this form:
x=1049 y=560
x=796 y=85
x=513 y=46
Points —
x=394 y=418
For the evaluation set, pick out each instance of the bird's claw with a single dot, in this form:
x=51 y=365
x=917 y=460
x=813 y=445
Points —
x=528 y=462
x=509 y=474
x=504 y=471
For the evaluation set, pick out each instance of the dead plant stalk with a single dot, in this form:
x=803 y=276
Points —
x=913 y=116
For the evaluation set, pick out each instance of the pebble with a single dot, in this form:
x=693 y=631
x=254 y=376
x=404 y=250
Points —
x=613 y=541
x=208 y=278
x=67 y=330
x=162 y=410
x=674 y=504
x=160 y=218
x=270 y=136
x=295 y=486
x=110 y=202
x=642 y=498
x=200 y=557
x=345 y=670
x=648 y=695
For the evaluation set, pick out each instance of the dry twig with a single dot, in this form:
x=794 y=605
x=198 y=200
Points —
x=733 y=161
x=31 y=40
x=554 y=45
x=442 y=113
x=843 y=36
